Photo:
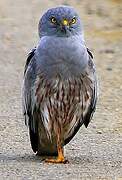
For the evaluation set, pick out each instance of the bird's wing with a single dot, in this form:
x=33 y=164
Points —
x=93 y=89
x=89 y=84
x=27 y=85
x=29 y=58
x=27 y=98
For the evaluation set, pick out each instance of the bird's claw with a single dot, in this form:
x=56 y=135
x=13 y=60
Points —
x=58 y=161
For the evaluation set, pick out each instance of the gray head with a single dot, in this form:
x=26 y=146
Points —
x=61 y=21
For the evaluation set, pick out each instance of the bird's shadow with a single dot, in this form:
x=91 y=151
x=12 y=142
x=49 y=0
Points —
x=6 y=158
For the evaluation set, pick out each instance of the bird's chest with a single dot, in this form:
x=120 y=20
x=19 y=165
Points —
x=64 y=56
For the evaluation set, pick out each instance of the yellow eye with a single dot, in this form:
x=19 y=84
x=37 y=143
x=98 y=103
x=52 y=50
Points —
x=73 y=21
x=53 y=20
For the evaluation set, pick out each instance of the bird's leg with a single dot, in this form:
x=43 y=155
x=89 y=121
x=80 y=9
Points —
x=60 y=158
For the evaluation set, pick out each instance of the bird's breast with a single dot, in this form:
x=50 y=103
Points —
x=64 y=56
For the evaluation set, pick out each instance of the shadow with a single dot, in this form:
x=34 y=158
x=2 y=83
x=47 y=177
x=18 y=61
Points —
x=6 y=158
x=83 y=160
x=21 y=158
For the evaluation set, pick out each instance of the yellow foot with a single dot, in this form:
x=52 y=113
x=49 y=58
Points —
x=58 y=160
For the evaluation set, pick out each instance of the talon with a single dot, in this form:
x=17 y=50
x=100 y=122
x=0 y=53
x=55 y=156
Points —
x=63 y=161
x=60 y=159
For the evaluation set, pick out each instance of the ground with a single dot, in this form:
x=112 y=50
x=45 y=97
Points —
x=95 y=152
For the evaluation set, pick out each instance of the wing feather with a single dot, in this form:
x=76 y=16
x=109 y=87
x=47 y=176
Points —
x=27 y=98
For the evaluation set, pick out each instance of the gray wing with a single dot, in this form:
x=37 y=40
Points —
x=27 y=100
x=29 y=58
x=27 y=84
x=89 y=81
x=92 y=76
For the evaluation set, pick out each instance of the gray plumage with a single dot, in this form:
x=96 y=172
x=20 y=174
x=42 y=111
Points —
x=60 y=86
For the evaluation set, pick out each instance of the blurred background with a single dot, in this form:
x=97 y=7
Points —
x=102 y=22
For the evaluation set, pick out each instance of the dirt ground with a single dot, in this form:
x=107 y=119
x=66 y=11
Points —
x=95 y=152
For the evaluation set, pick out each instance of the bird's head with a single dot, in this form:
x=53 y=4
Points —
x=61 y=21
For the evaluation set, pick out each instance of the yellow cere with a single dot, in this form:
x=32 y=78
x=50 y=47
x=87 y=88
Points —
x=65 y=22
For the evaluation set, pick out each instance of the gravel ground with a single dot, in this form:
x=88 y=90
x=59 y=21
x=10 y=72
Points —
x=95 y=152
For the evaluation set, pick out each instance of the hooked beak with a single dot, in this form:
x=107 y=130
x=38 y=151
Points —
x=65 y=25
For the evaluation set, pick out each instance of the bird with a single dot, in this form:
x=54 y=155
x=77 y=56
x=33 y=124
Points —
x=59 y=91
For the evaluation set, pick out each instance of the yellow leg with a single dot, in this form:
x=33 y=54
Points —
x=60 y=158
